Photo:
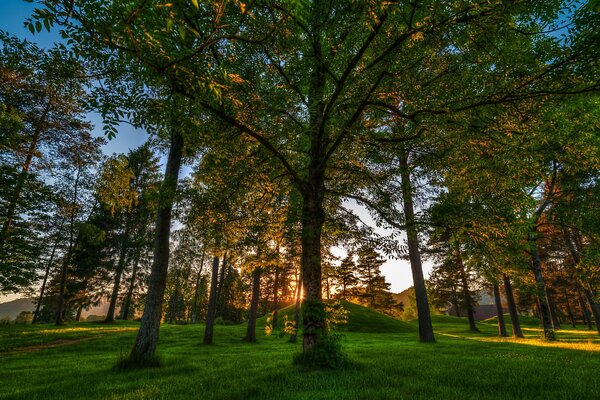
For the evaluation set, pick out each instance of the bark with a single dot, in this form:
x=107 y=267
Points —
x=212 y=303
x=466 y=293
x=67 y=260
x=251 y=329
x=499 y=311
x=313 y=218
x=512 y=309
x=425 y=326
x=147 y=338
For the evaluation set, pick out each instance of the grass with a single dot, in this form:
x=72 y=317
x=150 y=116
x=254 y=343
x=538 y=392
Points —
x=385 y=365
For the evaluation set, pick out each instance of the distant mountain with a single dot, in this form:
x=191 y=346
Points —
x=13 y=308
x=403 y=296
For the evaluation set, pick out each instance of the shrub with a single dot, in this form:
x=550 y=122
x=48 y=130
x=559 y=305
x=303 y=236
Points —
x=5 y=320
x=24 y=318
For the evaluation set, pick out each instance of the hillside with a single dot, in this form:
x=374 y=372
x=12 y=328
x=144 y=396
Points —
x=360 y=319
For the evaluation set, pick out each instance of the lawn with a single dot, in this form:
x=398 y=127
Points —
x=76 y=362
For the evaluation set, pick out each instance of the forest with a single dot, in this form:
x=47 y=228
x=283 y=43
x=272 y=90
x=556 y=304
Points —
x=294 y=148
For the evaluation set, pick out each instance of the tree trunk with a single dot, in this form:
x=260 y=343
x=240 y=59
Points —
x=212 y=302
x=293 y=336
x=147 y=338
x=466 y=292
x=220 y=300
x=126 y=306
x=425 y=326
x=195 y=309
x=569 y=309
x=110 y=314
x=14 y=201
x=553 y=312
x=46 y=273
x=78 y=316
x=67 y=260
x=499 y=311
x=274 y=320
x=586 y=313
x=313 y=217
x=589 y=295
x=536 y=268
x=512 y=308
x=251 y=330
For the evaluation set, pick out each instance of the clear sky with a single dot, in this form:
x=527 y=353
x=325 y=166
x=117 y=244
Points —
x=12 y=17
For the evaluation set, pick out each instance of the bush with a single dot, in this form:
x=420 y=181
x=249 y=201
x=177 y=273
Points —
x=24 y=318
x=93 y=317
x=326 y=353
x=5 y=320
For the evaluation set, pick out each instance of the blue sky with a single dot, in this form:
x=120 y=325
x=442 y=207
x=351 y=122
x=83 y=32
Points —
x=13 y=14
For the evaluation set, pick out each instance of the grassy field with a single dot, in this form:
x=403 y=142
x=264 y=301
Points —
x=77 y=362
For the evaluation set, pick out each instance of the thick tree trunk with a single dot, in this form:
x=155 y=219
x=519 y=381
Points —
x=147 y=338
x=313 y=218
x=212 y=303
x=414 y=255
x=251 y=329
x=274 y=320
x=466 y=292
x=512 y=308
x=499 y=311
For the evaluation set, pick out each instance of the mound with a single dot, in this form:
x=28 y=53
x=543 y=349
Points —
x=360 y=319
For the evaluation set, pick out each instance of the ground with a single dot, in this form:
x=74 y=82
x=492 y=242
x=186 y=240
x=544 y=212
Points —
x=77 y=362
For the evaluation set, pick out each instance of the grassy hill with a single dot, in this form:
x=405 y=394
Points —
x=360 y=319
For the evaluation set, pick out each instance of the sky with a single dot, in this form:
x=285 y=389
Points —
x=13 y=14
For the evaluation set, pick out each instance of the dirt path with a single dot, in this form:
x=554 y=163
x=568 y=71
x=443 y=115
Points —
x=49 y=345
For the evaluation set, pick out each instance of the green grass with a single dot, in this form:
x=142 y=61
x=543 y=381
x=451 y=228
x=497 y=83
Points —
x=385 y=365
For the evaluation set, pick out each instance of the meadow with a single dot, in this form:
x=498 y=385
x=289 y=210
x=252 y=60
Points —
x=78 y=362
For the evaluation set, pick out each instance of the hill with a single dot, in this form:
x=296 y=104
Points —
x=360 y=319
x=13 y=308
